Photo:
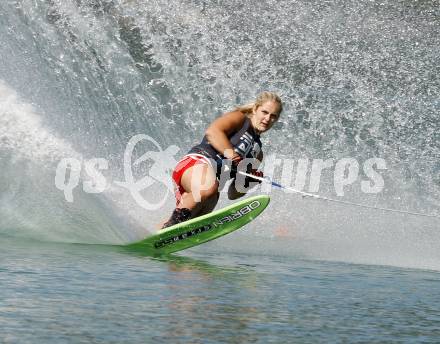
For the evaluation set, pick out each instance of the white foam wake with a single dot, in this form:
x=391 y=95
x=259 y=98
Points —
x=22 y=131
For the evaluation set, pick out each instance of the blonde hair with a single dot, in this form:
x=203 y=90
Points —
x=260 y=100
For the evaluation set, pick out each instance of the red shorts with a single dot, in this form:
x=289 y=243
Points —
x=187 y=161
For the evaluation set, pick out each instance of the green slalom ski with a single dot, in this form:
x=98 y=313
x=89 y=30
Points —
x=204 y=228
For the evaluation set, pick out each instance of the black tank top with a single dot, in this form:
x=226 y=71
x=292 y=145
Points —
x=246 y=142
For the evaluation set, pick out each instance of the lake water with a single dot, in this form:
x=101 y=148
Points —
x=66 y=293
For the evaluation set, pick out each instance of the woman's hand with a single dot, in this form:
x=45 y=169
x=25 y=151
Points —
x=255 y=173
x=236 y=159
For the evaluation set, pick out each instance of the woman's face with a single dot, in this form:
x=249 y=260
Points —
x=265 y=116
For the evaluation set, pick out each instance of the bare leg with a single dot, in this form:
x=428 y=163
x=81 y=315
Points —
x=208 y=205
x=200 y=196
x=201 y=186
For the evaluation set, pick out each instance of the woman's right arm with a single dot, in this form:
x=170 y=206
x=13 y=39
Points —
x=217 y=133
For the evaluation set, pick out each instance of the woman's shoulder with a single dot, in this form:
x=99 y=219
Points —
x=233 y=118
x=235 y=113
x=229 y=122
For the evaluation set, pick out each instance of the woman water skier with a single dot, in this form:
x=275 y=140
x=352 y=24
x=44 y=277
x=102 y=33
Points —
x=235 y=136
